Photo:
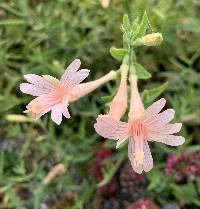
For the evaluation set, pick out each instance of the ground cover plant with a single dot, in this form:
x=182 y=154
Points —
x=43 y=165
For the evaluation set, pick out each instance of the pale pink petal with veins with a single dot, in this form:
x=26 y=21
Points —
x=72 y=76
x=71 y=69
x=169 y=129
x=38 y=107
x=160 y=119
x=76 y=78
x=170 y=139
x=32 y=89
x=65 y=112
x=155 y=134
x=148 y=160
x=45 y=81
x=110 y=128
x=56 y=113
x=155 y=108
x=131 y=156
x=38 y=85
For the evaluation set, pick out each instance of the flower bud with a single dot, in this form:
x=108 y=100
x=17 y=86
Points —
x=105 y=3
x=17 y=118
x=153 y=39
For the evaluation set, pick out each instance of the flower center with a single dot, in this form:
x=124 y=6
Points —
x=137 y=130
x=59 y=93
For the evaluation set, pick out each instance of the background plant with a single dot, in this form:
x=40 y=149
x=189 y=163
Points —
x=44 y=37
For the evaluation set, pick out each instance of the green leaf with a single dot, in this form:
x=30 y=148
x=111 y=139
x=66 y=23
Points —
x=135 y=28
x=8 y=102
x=150 y=95
x=135 y=23
x=107 y=98
x=109 y=170
x=126 y=22
x=185 y=193
x=1 y=163
x=140 y=71
x=143 y=26
x=118 y=53
x=193 y=148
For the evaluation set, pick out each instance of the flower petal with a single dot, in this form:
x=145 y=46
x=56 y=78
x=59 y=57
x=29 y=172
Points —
x=110 y=128
x=148 y=160
x=169 y=129
x=38 y=107
x=77 y=77
x=131 y=156
x=147 y=164
x=31 y=89
x=65 y=112
x=155 y=108
x=71 y=69
x=173 y=140
x=157 y=134
x=51 y=79
x=72 y=76
x=168 y=139
x=161 y=119
x=40 y=82
x=38 y=85
x=56 y=113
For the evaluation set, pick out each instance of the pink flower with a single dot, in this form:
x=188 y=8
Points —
x=55 y=95
x=118 y=105
x=143 y=126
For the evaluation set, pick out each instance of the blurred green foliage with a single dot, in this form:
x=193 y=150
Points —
x=43 y=37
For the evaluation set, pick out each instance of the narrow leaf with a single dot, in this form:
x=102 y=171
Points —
x=126 y=23
x=143 y=26
x=135 y=28
x=150 y=95
x=141 y=72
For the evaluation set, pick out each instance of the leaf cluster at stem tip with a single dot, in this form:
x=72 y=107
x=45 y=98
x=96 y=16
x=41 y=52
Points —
x=134 y=35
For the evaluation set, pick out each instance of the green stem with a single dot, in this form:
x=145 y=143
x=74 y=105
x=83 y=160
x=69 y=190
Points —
x=129 y=58
x=126 y=5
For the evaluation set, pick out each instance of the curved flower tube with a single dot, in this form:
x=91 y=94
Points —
x=118 y=105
